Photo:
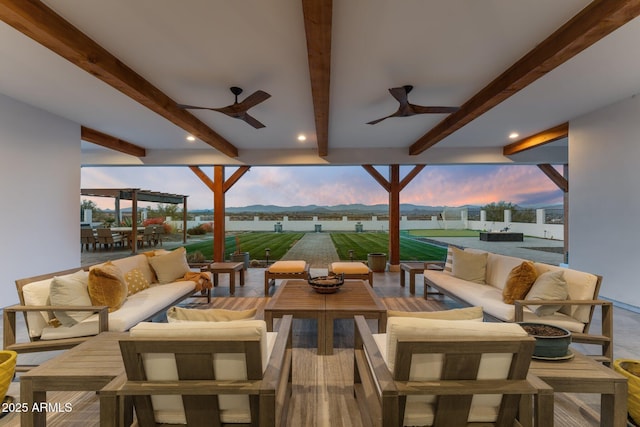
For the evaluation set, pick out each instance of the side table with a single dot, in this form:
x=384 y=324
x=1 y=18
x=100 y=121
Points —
x=412 y=268
x=217 y=268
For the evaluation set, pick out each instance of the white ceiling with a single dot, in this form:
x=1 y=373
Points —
x=194 y=50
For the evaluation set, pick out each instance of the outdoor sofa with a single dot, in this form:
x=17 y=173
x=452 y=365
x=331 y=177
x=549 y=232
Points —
x=52 y=326
x=483 y=284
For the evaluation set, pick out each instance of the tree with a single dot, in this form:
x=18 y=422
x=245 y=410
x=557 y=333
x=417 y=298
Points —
x=89 y=204
x=164 y=210
x=495 y=212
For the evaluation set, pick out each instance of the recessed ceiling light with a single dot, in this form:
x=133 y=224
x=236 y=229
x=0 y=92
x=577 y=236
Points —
x=514 y=135
x=302 y=137
x=191 y=138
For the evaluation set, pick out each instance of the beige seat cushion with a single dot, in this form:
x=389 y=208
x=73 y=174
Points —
x=349 y=267
x=467 y=313
x=179 y=314
x=288 y=267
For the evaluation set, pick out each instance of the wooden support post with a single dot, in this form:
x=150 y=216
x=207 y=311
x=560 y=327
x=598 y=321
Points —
x=133 y=237
x=218 y=214
x=394 y=218
x=184 y=219
x=394 y=186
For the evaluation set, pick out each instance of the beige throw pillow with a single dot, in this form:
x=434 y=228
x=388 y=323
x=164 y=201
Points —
x=107 y=286
x=548 y=286
x=469 y=266
x=467 y=313
x=178 y=314
x=170 y=267
x=519 y=282
x=70 y=290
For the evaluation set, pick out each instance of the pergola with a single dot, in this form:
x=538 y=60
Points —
x=137 y=195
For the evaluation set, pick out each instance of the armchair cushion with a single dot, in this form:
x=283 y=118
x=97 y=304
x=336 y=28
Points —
x=229 y=366
x=179 y=314
x=467 y=313
x=70 y=290
x=349 y=268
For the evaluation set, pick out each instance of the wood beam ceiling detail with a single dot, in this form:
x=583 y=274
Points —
x=542 y=138
x=111 y=142
x=43 y=25
x=594 y=22
x=317 y=25
x=555 y=176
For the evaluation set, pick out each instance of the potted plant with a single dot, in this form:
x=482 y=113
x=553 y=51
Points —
x=551 y=341
x=239 y=256
x=377 y=261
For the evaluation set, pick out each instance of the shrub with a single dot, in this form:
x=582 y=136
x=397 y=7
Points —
x=207 y=227
x=195 y=257
x=196 y=231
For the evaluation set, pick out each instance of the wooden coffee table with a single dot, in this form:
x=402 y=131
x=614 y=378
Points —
x=297 y=298
x=226 y=267
x=86 y=367
x=585 y=375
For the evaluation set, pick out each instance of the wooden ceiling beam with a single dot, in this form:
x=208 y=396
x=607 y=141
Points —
x=594 y=22
x=378 y=177
x=555 y=176
x=111 y=142
x=317 y=25
x=43 y=25
x=203 y=177
x=541 y=138
x=230 y=182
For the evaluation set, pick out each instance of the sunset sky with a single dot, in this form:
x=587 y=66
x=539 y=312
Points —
x=333 y=185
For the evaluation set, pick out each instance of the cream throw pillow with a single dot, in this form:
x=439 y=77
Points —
x=519 y=282
x=178 y=314
x=467 y=313
x=70 y=290
x=469 y=266
x=170 y=267
x=548 y=286
x=107 y=286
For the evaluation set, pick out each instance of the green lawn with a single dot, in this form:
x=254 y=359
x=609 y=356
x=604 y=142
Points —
x=361 y=243
x=254 y=243
x=364 y=243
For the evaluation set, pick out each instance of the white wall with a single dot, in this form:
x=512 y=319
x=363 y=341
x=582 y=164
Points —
x=604 y=198
x=40 y=194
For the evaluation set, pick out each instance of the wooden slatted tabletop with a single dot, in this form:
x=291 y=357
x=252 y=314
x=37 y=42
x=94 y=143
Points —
x=297 y=298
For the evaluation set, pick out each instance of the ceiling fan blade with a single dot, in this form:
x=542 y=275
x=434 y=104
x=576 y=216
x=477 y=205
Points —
x=400 y=94
x=192 y=107
x=396 y=114
x=230 y=110
x=254 y=99
x=252 y=121
x=419 y=109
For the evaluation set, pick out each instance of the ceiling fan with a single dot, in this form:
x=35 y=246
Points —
x=407 y=109
x=238 y=110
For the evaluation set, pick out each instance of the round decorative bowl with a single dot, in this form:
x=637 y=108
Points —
x=326 y=284
x=552 y=342
x=7 y=370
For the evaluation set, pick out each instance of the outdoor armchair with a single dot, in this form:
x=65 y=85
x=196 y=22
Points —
x=202 y=373
x=426 y=372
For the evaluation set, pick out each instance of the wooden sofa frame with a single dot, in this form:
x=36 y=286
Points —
x=382 y=394
x=604 y=339
x=35 y=344
x=269 y=392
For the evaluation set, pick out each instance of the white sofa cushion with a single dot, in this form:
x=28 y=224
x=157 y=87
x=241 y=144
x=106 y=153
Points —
x=231 y=366
x=70 y=290
x=490 y=298
x=136 y=308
